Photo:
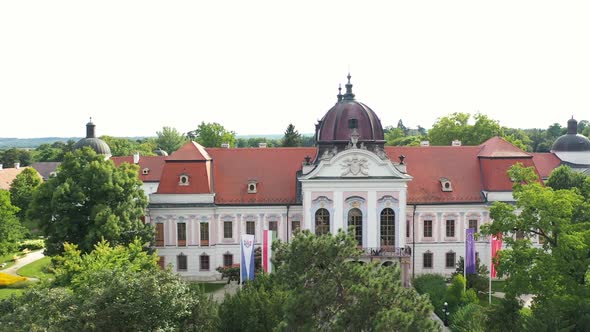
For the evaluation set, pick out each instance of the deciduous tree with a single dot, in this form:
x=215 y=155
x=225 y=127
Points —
x=11 y=231
x=212 y=135
x=22 y=189
x=554 y=272
x=169 y=139
x=88 y=200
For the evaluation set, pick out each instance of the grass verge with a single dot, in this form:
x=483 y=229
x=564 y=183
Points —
x=37 y=269
x=209 y=287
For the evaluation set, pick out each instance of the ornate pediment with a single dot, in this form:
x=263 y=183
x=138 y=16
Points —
x=354 y=163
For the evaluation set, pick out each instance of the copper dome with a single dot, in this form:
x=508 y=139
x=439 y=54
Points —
x=340 y=121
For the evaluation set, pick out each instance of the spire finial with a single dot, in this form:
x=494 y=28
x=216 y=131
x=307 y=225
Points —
x=348 y=95
x=339 y=92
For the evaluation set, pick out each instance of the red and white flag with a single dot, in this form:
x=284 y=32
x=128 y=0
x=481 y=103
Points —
x=267 y=238
x=496 y=246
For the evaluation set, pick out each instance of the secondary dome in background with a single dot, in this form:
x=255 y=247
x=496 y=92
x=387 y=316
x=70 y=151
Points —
x=572 y=141
x=99 y=146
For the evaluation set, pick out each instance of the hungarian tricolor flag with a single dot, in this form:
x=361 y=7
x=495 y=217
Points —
x=496 y=246
x=267 y=238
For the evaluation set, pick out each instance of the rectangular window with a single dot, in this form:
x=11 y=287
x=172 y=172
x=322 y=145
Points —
x=427 y=228
x=272 y=226
x=450 y=228
x=181 y=263
x=407 y=228
x=295 y=226
x=228 y=260
x=204 y=263
x=159 y=235
x=181 y=231
x=519 y=235
x=450 y=260
x=204 y=234
x=227 y=230
x=162 y=262
x=427 y=260
x=476 y=256
x=473 y=224
x=250 y=227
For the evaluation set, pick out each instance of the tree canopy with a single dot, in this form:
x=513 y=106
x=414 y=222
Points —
x=11 y=231
x=456 y=127
x=88 y=200
x=169 y=139
x=22 y=189
x=212 y=135
x=555 y=272
x=318 y=285
x=291 y=137
x=111 y=289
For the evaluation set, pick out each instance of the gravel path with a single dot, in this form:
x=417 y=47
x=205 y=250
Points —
x=29 y=258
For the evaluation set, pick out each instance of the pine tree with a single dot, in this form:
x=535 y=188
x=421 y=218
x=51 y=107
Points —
x=292 y=137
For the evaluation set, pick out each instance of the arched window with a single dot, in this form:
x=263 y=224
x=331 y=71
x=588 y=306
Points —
x=355 y=219
x=322 y=222
x=387 y=228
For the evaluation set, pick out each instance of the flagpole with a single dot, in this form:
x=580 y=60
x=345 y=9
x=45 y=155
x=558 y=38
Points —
x=490 y=281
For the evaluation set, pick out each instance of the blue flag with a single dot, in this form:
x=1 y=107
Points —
x=469 y=251
x=247 y=261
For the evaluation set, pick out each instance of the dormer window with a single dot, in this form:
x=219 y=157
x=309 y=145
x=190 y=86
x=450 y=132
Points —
x=252 y=186
x=145 y=171
x=183 y=180
x=446 y=184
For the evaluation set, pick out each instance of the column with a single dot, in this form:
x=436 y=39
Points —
x=337 y=220
x=400 y=219
x=307 y=217
x=371 y=221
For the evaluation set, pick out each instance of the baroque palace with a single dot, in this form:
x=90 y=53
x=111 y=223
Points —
x=406 y=205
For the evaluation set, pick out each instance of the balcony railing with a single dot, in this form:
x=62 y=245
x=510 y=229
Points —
x=387 y=252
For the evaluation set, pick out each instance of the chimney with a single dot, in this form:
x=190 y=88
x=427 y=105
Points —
x=17 y=165
x=262 y=145
x=136 y=158
x=456 y=143
x=225 y=145
x=425 y=143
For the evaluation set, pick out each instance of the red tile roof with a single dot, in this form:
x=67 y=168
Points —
x=274 y=169
x=545 y=163
x=198 y=177
x=495 y=172
x=7 y=175
x=190 y=151
x=498 y=147
x=155 y=165
x=428 y=165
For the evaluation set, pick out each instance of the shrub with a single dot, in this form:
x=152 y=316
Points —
x=32 y=244
x=469 y=318
x=435 y=286
x=232 y=273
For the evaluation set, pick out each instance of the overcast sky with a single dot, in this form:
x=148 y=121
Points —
x=255 y=67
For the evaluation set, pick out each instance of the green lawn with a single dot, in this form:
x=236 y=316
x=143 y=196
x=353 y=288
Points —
x=37 y=269
x=209 y=287
x=7 y=292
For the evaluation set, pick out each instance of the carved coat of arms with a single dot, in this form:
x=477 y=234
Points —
x=355 y=166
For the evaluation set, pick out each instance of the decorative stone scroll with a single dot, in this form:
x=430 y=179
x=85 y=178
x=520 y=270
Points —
x=355 y=166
